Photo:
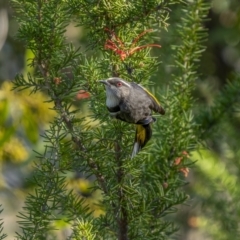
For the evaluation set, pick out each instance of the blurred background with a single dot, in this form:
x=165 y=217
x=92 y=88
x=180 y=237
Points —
x=213 y=211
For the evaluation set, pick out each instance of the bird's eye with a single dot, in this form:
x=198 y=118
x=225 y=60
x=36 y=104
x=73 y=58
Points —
x=119 y=84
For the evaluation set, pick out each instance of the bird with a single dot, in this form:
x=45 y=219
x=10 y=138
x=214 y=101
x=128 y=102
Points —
x=132 y=103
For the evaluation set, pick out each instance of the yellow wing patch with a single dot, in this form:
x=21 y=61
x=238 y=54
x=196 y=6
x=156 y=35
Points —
x=154 y=98
x=140 y=135
x=156 y=104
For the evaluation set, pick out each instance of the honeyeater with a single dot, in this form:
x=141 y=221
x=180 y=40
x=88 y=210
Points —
x=132 y=103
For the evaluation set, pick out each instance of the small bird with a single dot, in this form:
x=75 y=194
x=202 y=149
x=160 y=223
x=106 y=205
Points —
x=131 y=103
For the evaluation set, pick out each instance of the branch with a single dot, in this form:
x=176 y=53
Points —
x=122 y=212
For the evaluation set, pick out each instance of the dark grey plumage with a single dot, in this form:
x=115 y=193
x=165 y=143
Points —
x=132 y=103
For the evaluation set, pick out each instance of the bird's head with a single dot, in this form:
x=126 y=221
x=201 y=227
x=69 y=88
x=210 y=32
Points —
x=116 y=87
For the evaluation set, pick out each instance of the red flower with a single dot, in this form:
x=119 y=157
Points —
x=82 y=94
x=118 y=47
x=178 y=160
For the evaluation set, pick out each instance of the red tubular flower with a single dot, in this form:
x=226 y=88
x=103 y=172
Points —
x=118 y=47
x=82 y=94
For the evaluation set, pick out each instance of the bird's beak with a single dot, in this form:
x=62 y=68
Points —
x=105 y=82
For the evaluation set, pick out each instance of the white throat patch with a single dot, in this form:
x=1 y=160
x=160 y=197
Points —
x=112 y=100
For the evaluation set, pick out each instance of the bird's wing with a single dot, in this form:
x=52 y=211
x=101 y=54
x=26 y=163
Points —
x=155 y=105
x=142 y=136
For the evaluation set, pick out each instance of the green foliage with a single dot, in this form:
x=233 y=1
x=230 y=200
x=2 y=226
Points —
x=51 y=200
x=137 y=194
x=177 y=134
x=83 y=230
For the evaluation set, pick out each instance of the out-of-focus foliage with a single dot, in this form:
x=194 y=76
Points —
x=22 y=120
x=215 y=210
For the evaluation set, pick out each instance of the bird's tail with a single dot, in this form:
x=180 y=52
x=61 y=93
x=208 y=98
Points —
x=142 y=136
